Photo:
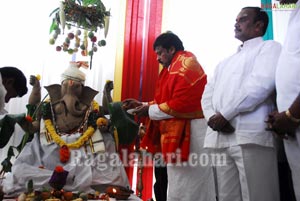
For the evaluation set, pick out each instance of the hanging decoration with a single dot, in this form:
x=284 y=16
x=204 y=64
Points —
x=76 y=26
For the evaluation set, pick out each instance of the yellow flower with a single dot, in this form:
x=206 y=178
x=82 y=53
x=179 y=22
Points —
x=38 y=77
x=95 y=105
x=101 y=122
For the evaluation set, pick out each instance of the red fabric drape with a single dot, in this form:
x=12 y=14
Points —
x=132 y=49
x=140 y=68
x=151 y=67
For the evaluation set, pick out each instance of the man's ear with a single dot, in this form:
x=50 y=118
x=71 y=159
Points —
x=259 y=26
x=172 y=49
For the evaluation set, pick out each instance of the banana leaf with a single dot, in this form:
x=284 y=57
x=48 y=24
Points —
x=126 y=127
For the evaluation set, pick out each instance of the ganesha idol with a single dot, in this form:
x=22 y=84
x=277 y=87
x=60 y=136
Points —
x=69 y=132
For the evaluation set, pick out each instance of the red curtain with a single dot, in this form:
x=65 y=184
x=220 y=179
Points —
x=151 y=66
x=140 y=67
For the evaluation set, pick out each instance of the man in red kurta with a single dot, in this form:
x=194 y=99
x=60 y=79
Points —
x=176 y=127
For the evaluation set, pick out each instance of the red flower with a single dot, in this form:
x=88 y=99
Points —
x=58 y=179
x=59 y=168
x=28 y=118
x=64 y=154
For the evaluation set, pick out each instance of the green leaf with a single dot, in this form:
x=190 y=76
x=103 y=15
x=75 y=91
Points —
x=10 y=152
x=30 y=186
x=6 y=165
x=53 y=26
x=30 y=109
x=54 y=11
x=126 y=126
x=90 y=2
x=7 y=124
x=26 y=138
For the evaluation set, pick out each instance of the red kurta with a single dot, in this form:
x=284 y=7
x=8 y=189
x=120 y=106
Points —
x=178 y=93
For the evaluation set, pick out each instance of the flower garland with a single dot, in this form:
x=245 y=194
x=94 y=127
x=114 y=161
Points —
x=74 y=145
x=64 y=147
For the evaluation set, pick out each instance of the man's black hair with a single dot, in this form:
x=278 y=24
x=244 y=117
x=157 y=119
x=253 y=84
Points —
x=20 y=82
x=261 y=15
x=167 y=40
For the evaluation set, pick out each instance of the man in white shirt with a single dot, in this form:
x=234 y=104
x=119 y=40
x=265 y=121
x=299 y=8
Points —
x=287 y=120
x=12 y=84
x=236 y=102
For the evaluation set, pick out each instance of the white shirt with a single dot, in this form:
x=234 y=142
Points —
x=240 y=90
x=156 y=114
x=288 y=68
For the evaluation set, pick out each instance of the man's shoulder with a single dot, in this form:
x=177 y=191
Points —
x=271 y=47
x=272 y=43
x=185 y=61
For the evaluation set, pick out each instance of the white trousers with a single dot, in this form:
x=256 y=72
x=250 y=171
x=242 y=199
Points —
x=292 y=149
x=247 y=173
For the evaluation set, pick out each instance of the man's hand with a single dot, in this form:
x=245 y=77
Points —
x=141 y=111
x=218 y=123
x=281 y=124
x=228 y=128
x=130 y=103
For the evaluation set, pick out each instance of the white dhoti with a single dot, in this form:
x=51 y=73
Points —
x=193 y=180
x=292 y=149
x=247 y=172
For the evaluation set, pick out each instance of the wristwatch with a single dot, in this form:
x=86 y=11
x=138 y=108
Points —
x=290 y=116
